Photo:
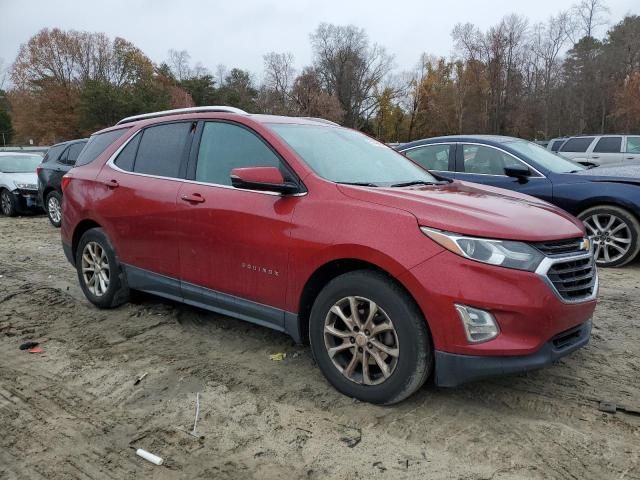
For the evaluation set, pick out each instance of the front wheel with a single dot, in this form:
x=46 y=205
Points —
x=614 y=232
x=369 y=339
x=8 y=203
x=101 y=276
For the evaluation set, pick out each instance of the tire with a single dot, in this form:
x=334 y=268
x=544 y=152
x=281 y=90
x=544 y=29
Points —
x=8 y=204
x=113 y=291
x=622 y=233
x=53 y=207
x=409 y=338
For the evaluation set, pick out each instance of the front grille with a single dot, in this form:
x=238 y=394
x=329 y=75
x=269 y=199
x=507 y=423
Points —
x=560 y=247
x=574 y=279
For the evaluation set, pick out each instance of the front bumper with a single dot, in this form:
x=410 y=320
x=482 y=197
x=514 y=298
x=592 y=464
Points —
x=453 y=369
x=27 y=200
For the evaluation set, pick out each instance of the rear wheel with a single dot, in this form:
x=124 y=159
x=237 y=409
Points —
x=370 y=340
x=101 y=276
x=7 y=203
x=614 y=232
x=53 y=204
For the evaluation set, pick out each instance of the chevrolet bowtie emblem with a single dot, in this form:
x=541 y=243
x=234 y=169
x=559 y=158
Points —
x=585 y=244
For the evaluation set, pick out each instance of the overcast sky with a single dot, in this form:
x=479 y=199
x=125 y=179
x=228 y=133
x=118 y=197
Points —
x=237 y=33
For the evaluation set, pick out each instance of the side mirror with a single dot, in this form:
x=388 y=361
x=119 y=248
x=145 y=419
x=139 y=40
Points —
x=264 y=179
x=520 y=172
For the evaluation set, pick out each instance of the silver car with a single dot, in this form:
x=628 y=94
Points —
x=601 y=149
x=18 y=183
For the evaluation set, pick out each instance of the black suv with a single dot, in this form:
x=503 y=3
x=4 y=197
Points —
x=59 y=160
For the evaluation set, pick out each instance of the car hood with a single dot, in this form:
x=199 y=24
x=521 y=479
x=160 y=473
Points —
x=628 y=172
x=476 y=210
x=28 y=177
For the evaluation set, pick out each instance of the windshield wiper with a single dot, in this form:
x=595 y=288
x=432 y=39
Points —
x=359 y=184
x=417 y=182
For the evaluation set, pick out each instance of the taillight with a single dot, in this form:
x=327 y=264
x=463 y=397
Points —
x=38 y=170
x=64 y=182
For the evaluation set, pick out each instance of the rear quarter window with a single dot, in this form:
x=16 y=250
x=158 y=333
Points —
x=577 y=145
x=97 y=144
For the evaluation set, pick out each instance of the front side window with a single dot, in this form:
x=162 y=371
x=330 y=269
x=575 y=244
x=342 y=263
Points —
x=97 y=144
x=483 y=160
x=161 y=149
x=608 y=145
x=431 y=157
x=577 y=145
x=73 y=152
x=225 y=146
x=543 y=158
x=345 y=156
x=633 y=144
x=127 y=155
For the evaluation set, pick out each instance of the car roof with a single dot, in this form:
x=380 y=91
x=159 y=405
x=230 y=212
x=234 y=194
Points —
x=486 y=139
x=69 y=142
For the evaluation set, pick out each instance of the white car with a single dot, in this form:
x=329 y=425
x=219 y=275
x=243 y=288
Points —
x=601 y=149
x=18 y=183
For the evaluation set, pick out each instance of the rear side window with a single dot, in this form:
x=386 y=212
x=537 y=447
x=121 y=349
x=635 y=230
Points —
x=431 y=157
x=73 y=152
x=224 y=147
x=53 y=153
x=633 y=144
x=577 y=144
x=97 y=144
x=161 y=149
x=608 y=145
x=127 y=156
x=555 y=146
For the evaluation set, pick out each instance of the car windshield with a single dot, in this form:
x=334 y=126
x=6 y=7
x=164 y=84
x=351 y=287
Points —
x=19 y=163
x=545 y=158
x=347 y=156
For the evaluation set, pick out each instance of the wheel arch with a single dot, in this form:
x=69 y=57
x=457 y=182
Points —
x=80 y=229
x=326 y=272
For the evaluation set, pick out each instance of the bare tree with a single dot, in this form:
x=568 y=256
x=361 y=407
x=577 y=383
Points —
x=350 y=68
x=179 y=62
x=279 y=74
x=591 y=14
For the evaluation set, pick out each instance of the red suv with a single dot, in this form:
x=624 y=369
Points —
x=390 y=272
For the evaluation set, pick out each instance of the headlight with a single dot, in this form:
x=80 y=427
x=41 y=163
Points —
x=26 y=186
x=504 y=253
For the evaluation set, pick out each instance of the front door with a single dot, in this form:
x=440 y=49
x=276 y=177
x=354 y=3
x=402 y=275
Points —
x=607 y=150
x=234 y=243
x=485 y=164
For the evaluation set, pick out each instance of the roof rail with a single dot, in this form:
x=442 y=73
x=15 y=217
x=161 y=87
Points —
x=322 y=120
x=179 y=111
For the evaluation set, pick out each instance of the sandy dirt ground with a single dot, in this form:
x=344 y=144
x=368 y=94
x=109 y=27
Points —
x=74 y=411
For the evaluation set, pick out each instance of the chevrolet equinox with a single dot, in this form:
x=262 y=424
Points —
x=391 y=273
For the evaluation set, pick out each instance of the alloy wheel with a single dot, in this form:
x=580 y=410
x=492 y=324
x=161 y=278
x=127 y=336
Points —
x=95 y=269
x=6 y=203
x=53 y=207
x=610 y=235
x=361 y=340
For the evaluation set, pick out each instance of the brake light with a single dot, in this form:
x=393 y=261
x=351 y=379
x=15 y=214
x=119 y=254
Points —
x=38 y=170
x=65 y=182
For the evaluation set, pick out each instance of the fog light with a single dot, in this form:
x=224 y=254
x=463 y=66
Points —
x=479 y=326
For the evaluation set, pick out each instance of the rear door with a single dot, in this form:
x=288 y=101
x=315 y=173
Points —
x=576 y=149
x=607 y=149
x=436 y=157
x=485 y=164
x=632 y=148
x=139 y=203
x=64 y=163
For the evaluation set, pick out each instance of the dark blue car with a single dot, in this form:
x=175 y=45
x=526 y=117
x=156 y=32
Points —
x=606 y=199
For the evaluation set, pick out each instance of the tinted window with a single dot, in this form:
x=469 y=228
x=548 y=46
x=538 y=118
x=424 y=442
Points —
x=543 y=157
x=97 y=144
x=608 y=145
x=577 y=144
x=53 y=153
x=224 y=147
x=431 y=157
x=73 y=151
x=161 y=149
x=556 y=145
x=487 y=160
x=633 y=144
x=127 y=155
